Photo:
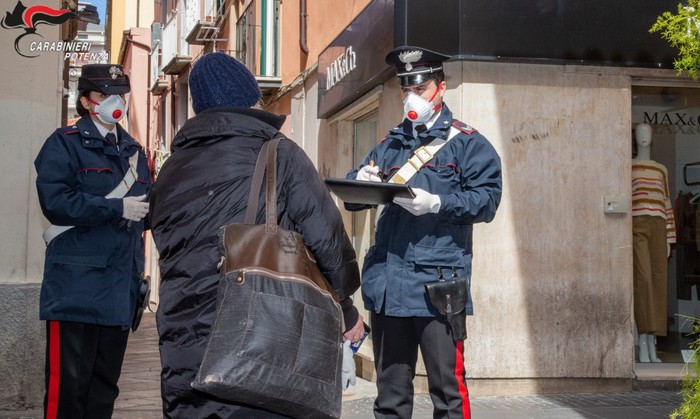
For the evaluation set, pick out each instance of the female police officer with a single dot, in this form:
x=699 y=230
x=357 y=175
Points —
x=91 y=179
x=455 y=174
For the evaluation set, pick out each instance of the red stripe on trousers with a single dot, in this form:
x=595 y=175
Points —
x=459 y=372
x=54 y=370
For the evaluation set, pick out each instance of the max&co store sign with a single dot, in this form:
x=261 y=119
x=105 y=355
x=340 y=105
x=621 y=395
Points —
x=341 y=67
x=354 y=62
x=673 y=122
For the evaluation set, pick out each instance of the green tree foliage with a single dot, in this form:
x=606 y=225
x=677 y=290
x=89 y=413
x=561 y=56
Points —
x=682 y=31
x=690 y=408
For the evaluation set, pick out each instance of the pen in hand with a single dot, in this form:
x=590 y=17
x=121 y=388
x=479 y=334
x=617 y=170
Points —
x=371 y=164
x=369 y=172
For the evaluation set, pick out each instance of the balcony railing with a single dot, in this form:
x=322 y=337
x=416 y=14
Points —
x=175 y=56
x=206 y=27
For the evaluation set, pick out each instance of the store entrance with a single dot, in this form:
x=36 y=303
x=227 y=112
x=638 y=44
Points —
x=673 y=113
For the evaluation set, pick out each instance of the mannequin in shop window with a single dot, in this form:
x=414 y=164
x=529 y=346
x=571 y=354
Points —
x=653 y=233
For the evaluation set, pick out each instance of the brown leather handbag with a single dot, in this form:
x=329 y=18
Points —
x=276 y=341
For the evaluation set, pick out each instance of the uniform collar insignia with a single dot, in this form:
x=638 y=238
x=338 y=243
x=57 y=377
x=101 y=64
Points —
x=409 y=57
x=115 y=72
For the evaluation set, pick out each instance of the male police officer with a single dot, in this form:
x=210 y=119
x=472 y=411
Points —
x=455 y=174
x=92 y=179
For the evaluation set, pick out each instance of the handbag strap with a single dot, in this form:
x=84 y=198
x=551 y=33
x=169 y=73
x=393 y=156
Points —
x=271 y=187
x=266 y=158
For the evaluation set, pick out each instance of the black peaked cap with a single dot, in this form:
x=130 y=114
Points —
x=105 y=78
x=415 y=65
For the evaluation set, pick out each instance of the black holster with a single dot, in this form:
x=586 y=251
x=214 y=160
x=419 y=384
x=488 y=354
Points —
x=142 y=300
x=449 y=297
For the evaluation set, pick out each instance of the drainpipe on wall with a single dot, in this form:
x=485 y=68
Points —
x=127 y=38
x=302 y=28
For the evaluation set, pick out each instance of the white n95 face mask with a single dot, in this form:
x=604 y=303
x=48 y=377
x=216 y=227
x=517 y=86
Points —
x=417 y=109
x=111 y=110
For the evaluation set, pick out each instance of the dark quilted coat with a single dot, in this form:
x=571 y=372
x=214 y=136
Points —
x=202 y=186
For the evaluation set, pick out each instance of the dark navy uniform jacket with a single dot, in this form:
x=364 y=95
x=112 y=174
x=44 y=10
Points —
x=91 y=271
x=466 y=174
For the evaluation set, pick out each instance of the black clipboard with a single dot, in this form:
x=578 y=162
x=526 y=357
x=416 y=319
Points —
x=365 y=192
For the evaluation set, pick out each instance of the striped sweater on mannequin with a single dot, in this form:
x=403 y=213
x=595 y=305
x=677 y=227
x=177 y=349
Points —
x=650 y=194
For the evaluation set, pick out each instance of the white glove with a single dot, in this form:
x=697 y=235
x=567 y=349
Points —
x=423 y=203
x=134 y=208
x=348 y=374
x=369 y=173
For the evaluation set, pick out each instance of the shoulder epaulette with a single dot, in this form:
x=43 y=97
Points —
x=70 y=129
x=467 y=129
x=382 y=140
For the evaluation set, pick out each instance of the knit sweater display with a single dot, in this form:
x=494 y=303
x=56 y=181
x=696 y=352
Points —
x=650 y=194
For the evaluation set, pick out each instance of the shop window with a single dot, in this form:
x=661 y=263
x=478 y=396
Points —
x=673 y=112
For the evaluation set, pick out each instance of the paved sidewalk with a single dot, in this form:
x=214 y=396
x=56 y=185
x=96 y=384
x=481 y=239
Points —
x=140 y=395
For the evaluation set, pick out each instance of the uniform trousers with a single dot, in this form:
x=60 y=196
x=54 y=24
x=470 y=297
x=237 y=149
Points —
x=396 y=341
x=650 y=274
x=83 y=364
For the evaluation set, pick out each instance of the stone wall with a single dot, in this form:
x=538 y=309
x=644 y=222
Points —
x=552 y=279
x=22 y=348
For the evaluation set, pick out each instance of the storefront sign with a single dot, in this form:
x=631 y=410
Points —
x=340 y=67
x=596 y=32
x=671 y=118
x=673 y=123
x=546 y=32
x=354 y=62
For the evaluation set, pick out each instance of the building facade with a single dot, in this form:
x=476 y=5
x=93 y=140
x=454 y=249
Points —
x=557 y=88
x=264 y=34
x=553 y=274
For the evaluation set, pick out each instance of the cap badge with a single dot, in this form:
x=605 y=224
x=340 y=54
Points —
x=409 y=57
x=115 y=71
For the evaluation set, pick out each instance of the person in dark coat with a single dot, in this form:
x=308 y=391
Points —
x=455 y=174
x=203 y=185
x=92 y=180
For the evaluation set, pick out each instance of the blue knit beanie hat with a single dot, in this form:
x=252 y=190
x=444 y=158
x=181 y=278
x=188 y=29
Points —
x=219 y=80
